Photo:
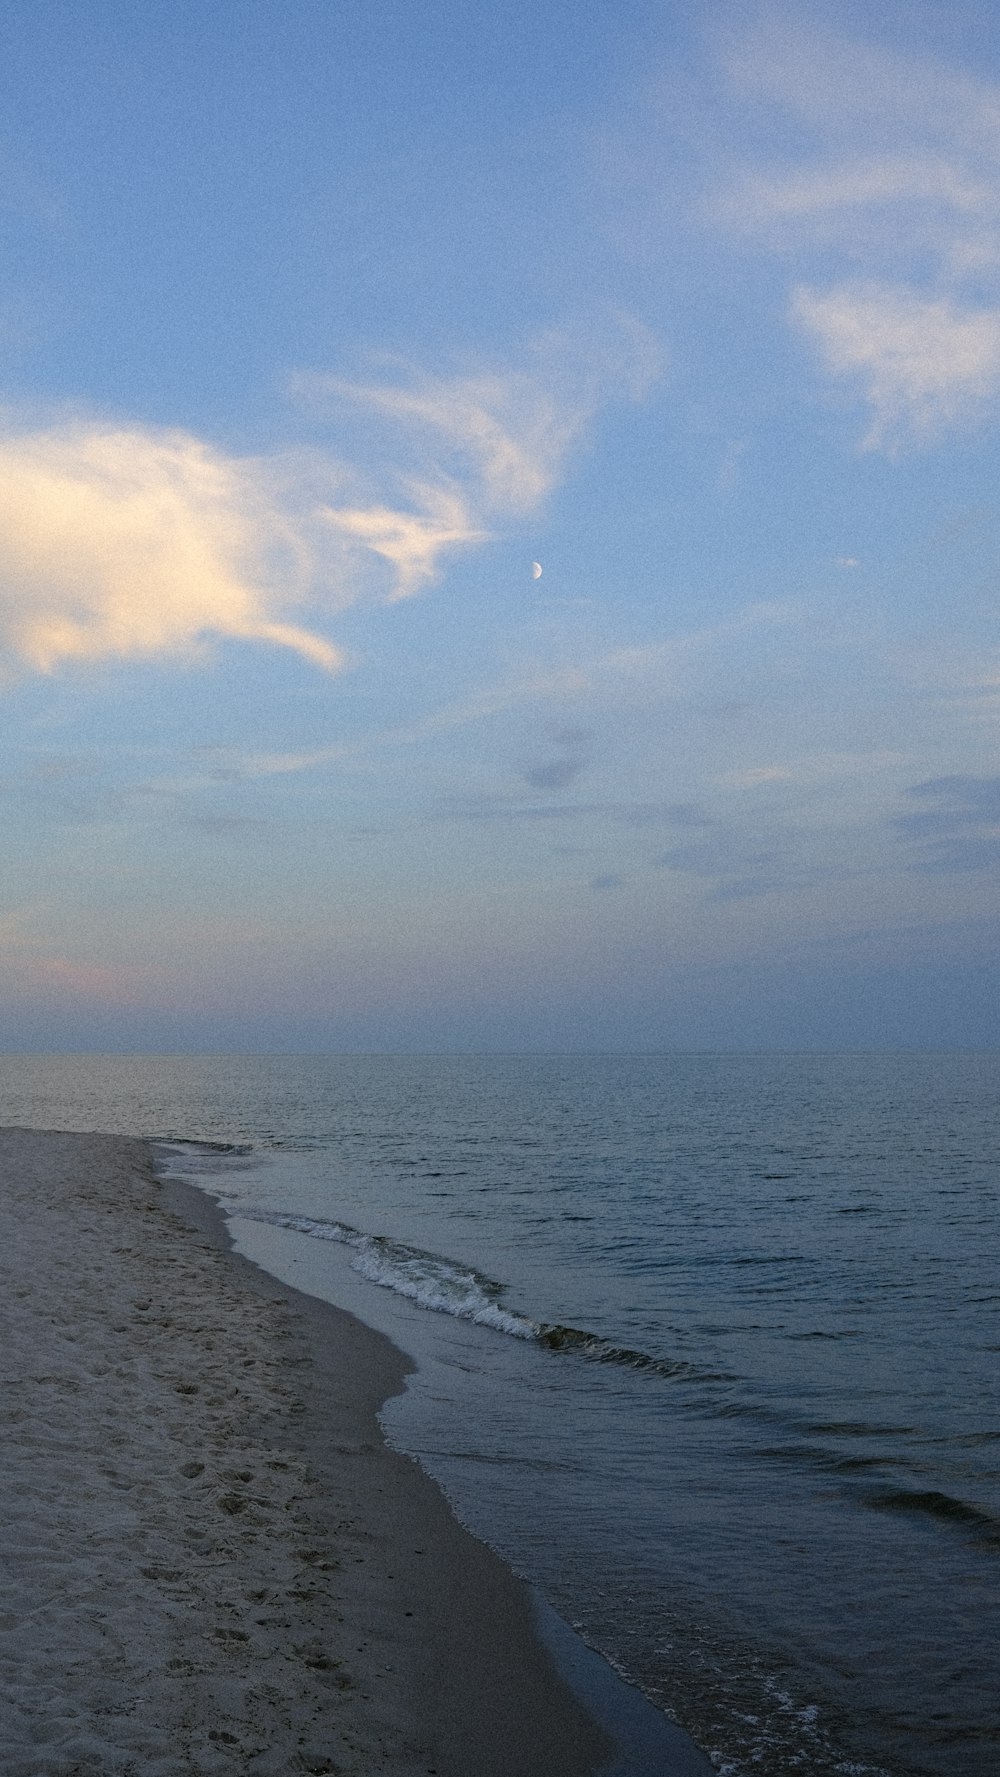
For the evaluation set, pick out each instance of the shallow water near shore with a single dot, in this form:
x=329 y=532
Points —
x=707 y=1348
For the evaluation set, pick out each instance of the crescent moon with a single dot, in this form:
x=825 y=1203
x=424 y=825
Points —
x=536 y=570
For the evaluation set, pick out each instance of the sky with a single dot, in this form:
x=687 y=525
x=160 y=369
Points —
x=323 y=328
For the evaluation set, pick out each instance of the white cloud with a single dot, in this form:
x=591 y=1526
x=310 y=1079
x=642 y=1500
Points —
x=876 y=208
x=129 y=542
x=924 y=363
x=506 y=433
x=411 y=542
x=817 y=768
x=466 y=452
x=846 y=89
x=132 y=543
x=483 y=446
x=891 y=198
x=758 y=774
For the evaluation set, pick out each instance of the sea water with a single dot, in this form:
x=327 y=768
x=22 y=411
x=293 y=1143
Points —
x=707 y=1347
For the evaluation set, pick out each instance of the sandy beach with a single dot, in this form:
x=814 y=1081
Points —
x=211 y=1561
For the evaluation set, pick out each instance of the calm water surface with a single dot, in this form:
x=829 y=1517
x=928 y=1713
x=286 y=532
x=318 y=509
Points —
x=712 y=1350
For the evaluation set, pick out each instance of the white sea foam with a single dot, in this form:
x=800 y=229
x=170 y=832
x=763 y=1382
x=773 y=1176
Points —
x=434 y=1282
x=444 y=1286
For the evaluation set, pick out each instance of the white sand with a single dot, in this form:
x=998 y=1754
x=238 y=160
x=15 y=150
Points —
x=210 y=1563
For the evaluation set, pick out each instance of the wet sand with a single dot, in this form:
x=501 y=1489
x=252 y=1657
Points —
x=211 y=1561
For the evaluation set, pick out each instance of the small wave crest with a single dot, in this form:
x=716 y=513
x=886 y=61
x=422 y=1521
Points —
x=446 y=1286
x=932 y=1503
x=207 y=1162
x=181 y=1147
x=442 y=1285
x=605 y=1351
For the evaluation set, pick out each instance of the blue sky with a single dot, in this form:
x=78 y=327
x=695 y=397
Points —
x=321 y=325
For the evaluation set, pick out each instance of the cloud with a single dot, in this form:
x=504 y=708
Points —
x=754 y=775
x=226 y=825
x=923 y=363
x=482 y=445
x=554 y=774
x=893 y=187
x=741 y=865
x=128 y=543
x=505 y=809
x=571 y=754
x=507 y=433
x=237 y=765
x=809 y=769
x=31 y=970
x=41 y=977
x=849 y=92
x=615 y=679
x=411 y=542
x=724 y=854
x=958 y=828
x=822 y=197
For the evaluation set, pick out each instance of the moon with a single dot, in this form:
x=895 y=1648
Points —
x=536 y=570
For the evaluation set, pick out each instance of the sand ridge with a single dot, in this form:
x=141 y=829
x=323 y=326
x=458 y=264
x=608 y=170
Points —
x=211 y=1563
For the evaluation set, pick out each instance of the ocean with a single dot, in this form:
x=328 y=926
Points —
x=707 y=1347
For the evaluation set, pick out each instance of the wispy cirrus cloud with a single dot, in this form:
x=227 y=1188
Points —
x=923 y=363
x=955 y=824
x=504 y=436
x=881 y=124
x=412 y=542
x=478 y=447
x=511 y=810
x=647 y=674
x=821 y=197
x=128 y=542
x=891 y=198
x=814 y=768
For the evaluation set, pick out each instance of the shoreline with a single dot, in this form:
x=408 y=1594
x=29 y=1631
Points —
x=215 y=1562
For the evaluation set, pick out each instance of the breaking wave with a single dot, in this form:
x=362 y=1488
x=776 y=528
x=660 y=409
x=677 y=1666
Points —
x=442 y=1285
x=445 y=1286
